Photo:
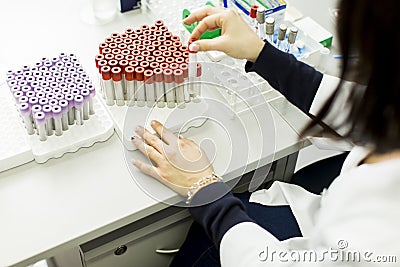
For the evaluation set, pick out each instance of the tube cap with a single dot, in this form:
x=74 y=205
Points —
x=168 y=76
x=148 y=76
x=261 y=15
x=106 y=72
x=116 y=74
x=130 y=73
x=139 y=71
x=253 y=11
x=178 y=76
x=158 y=74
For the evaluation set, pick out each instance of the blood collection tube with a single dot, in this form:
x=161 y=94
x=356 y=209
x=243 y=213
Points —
x=57 y=117
x=179 y=88
x=192 y=68
x=140 y=90
x=169 y=87
x=185 y=68
x=197 y=84
x=108 y=85
x=253 y=16
x=47 y=109
x=270 y=29
x=64 y=119
x=130 y=85
x=261 y=22
x=117 y=83
x=149 y=88
x=40 y=121
x=159 y=87
x=86 y=97
x=92 y=91
x=280 y=43
x=25 y=112
x=291 y=39
x=78 y=105
x=71 y=108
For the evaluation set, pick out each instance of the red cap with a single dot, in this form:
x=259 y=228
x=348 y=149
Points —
x=168 y=35
x=122 y=46
x=119 y=57
x=163 y=28
x=109 y=40
x=116 y=74
x=170 y=60
x=109 y=56
x=153 y=28
x=146 y=53
x=106 y=51
x=112 y=45
x=137 y=42
x=137 y=31
x=189 y=43
x=154 y=65
x=129 y=57
x=179 y=60
x=131 y=47
x=160 y=59
x=139 y=58
x=144 y=27
x=198 y=68
x=144 y=64
x=158 y=33
x=168 y=76
x=129 y=31
x=113 y=63
x=162 y=48
x=147 y=42
x=178 y=44
x=158 y=74
x=185 y=68
x=150 y=48
x=102 y=46
x=118 y=40
x=183 y=48
x=178 y=76
x=164 y=65
x=157 y=53
x=135 y=52
x=141 y=47
x=101 y=64
x=150 y=59
x=168 y=43
x=166 y=54
x=97 y=59
x=156 y=44
x=185 y=54
x=152 y=38
x=142 y=38
x=177 y=54
x=128 y=41
x=159 y=23
x=123 y=64
x=125 y=52
x=130 y=73
x=139 y=71
x=175 y=38
x=133 y=36
x=162 y=39
x=253 y=11
x=147 y=32
x=134 y=63
x=172 y=48
x=148 y=74
x=116 y=51
x=106 y=72
x=173 y=66
x=124 y=35
x=115 y=35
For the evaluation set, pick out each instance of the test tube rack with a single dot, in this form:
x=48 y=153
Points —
x=144 y=75
x=52 y=109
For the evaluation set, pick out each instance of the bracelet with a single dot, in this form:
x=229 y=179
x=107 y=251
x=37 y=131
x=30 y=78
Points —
x=200 y=183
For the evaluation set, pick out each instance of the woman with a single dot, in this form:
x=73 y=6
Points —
x=355 y=221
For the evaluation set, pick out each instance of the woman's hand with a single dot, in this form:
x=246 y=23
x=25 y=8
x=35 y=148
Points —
x=237 y=40
x=178 y=162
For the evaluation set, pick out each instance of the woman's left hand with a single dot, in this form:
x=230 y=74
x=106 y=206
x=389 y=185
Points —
x=177 y=162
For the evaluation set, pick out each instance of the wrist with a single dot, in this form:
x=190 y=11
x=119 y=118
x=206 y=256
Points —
x=258 y=47
x=207 y=180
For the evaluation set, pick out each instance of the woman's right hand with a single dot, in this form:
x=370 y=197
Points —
x=237 y=39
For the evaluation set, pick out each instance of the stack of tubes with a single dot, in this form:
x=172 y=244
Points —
x=52 y=95
x=147 y=66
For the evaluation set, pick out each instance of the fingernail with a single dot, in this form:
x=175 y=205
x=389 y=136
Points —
x=194 y=47
x=138 y=128
x=153 y=122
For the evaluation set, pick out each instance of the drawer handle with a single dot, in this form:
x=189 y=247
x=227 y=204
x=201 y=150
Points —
x=167 y=251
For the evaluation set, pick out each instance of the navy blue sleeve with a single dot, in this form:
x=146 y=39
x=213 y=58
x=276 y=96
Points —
x=217 y=210
x=297 y=81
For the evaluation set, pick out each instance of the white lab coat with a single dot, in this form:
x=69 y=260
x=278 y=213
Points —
x=355 y=222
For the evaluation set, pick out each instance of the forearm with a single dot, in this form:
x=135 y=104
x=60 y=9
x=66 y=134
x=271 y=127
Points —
x=297 y=81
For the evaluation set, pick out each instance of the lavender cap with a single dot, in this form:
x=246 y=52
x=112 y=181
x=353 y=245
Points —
x=30 y=94
x=59 y=96
x=57 y=112
x=24 y=109
x=91 y=89
x=80 y=86
x=78 y=101
x=86 y=95
x=75 y=92
x=33 y=101
x=43 y=101
x=40 y=95
x=47 y=109
x=40 y=118
x=15 y=88
x=70 y=99
x=23 y=99
x=50 y=96
x=36 y=108
x=17 y=95
x=63 y=104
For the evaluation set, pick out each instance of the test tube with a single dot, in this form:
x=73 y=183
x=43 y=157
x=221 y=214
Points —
x=108 y=85
x=25 y=112
x=291 y=39
x=86 y=97
x=57 y=117
x=130 y=85
x=169 y=87
x=197 y=84
x=71 y=108
x=270 y=29
x=40 y=121
x=179 y=89
x=64 y=119
x=92 y=91
x=47 y=109
x=78 y=105
x=253 y=16
x=192 y=68
x=261 y=22
x=149 y=88
x=159 y=87
x=140 y=90
x=116 y=74
x=280 y=43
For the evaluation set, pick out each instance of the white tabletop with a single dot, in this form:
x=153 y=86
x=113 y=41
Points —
x=46 y=208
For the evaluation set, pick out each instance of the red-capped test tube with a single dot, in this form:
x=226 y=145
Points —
x=130 y=84
x=179 y=89
x=140 y=90
x=149 y=88
x=197 y=84
x=169 y=87
x=185 y=68
x=192 y=68
x=108 y=85
x=116 y=74
x=159 y=87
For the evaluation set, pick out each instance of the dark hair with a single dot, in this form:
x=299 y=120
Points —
x=369 y=29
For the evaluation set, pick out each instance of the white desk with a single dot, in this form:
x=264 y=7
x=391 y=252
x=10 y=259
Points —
x=47 y=208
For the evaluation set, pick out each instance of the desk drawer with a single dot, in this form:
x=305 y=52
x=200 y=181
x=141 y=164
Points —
x=149 y=245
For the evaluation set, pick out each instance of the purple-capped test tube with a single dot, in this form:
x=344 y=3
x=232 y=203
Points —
x=78 y=104
x=71 y=108
x=17 y=95
x=48 y=112
x=64 y=119
x=43 y=101
x=25 y=112
x=57 y=117
x=92 y=91
x=86 y=98
x=40 y=121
